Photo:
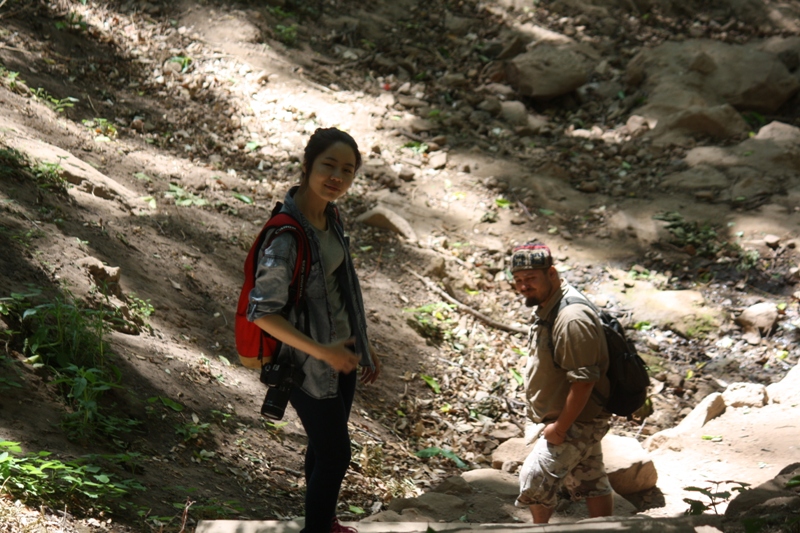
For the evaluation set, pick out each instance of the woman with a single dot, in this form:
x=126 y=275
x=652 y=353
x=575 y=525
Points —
x=335 y=342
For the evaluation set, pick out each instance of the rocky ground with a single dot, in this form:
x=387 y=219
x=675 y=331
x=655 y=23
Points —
x=652 y=144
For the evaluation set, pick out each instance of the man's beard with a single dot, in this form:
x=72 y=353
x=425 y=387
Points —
x=532 y=301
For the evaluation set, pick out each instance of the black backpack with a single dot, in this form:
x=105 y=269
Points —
x=627 y=372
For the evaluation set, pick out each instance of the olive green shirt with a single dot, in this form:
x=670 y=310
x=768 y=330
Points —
x=581 y=354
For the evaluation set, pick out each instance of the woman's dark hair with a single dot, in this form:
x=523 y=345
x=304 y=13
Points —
x=321 y=140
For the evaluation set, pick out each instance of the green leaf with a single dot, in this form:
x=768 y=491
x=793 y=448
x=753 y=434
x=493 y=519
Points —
x=365 y=248
x=356 y=510
x=172 y=404
x=794 y=482
x=142 y=176
x=432 y=383
x=149 y=200
x=547 y=212
x=10 y=446
x=502 y=202
x=695 y=507
x=642 y=326
x=435 y=450
x=517 y=376
x=243 y=198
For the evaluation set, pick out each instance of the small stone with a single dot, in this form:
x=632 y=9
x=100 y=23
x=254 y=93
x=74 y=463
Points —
x=773 y=241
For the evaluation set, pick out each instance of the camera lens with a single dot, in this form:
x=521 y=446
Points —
x=275 y=402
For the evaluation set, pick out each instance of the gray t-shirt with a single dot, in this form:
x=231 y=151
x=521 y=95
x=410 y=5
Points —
x=332 y=254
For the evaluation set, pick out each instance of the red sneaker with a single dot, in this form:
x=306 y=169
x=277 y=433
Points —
x=337 y=527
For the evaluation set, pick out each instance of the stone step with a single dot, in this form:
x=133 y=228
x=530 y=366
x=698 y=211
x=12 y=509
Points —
x=665 y=525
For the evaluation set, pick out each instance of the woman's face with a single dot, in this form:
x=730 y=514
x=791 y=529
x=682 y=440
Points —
x=332 y=172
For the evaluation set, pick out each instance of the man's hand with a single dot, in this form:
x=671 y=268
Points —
x=553 y=435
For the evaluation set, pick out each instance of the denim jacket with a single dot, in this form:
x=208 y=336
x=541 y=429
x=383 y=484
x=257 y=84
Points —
x=271 y=293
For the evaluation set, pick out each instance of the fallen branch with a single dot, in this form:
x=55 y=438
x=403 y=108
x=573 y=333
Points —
x=432 y=286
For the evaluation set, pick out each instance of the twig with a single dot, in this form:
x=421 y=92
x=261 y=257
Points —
x=186 y=506
x=370 y=435
x=412 y=136
x=288 y=470
x=29 y=218
x=3 y=3
x=497 y=325
x=525 y=209
x=91 y=103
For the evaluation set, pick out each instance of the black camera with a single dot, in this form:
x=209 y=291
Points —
x=279 y=377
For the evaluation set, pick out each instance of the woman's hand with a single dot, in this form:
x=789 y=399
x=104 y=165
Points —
x=340 y=355
x=368 y=375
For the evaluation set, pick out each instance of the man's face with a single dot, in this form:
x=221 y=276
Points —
x=535 y=285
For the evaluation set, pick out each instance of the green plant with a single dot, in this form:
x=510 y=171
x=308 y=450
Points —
x=754 y=120
x=276 y=11
x=417 y=147
x=39 y=478
x=6 y=381
x=747 y=259
x=26 y=237
x=432 y=321
x=221 y=417
x=48 y=176
x=14 y=164
x=713 y=495
x=141 y=310
x=56 y=104
x=193 y=430
x=703 y=240
x=184 y=198
x=286 y=34
x=184 y=61
x=434 y=451
x=104 y=129
x=211 y=509
x=61 y=332
x=69 y=339
x=73 y=21
x=10 y=77
x=83 y=387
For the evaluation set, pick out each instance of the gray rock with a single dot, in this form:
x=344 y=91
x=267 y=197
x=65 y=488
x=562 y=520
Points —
x=745 y=395
x=546 y=71
x=629 y=467
x=385 y=218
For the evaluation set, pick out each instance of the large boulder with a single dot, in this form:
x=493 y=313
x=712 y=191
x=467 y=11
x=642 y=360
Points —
x=629 y=467
x=787 y=390
x=547 y=71
x=693 y=87
x=740 y=75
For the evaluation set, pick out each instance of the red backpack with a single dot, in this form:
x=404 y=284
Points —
x=255 y=346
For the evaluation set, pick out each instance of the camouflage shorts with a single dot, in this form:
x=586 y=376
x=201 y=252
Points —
x=576 y=464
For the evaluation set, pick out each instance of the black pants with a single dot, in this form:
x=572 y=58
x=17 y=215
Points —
x=328 y=453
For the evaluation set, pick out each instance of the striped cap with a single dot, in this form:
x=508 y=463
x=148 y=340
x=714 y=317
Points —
x=531 y=255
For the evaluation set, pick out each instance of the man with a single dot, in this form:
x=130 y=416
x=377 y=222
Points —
x=568 y=361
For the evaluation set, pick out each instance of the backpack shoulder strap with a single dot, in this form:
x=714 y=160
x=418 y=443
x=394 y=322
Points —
x=281 y=223
x=551 y=319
